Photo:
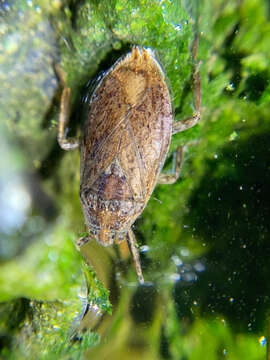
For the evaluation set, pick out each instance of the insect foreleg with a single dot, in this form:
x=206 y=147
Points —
x=65 y=142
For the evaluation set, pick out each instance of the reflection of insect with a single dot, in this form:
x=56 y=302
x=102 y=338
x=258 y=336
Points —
x=125 y=140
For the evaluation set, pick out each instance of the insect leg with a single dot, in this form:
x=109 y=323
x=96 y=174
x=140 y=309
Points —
x=134 y=251
x=64 y=142
x=176 y=170
x=190 y=121
x=82 y=241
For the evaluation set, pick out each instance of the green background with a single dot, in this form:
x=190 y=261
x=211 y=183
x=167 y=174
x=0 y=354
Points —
x=204 y=240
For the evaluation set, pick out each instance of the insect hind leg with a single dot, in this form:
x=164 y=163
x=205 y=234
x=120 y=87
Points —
x=135 y=254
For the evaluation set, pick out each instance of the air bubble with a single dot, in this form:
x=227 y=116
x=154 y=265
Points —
x=230 y=87
x=262 y=340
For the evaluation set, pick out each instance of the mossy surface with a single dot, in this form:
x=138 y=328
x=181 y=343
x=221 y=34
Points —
x=205 y=241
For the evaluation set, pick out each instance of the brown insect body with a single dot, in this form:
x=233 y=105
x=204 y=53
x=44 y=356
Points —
x=124 y=144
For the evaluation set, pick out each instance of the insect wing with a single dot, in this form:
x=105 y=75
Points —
x=130 y=118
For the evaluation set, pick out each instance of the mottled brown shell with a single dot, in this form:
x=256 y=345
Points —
x=125 y=142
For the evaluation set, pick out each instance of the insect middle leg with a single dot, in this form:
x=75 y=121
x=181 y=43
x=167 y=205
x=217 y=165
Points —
x=65 y=142
x=175 y=173
x=188 y=122
x=192 y=120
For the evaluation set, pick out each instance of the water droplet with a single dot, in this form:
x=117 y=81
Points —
x=184 y=252
x=186 y=268
x=262 y=340
x=176 y=259
x=175 y=277
x=230 y=87
x=233 y=136
x=199 y=267
x=190 y=277
x=144 y=248
x=216 y=156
